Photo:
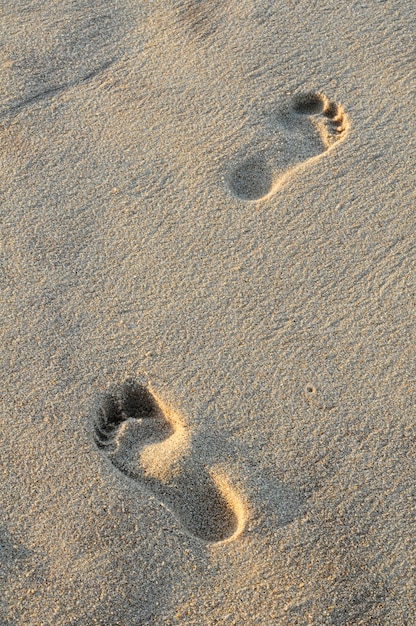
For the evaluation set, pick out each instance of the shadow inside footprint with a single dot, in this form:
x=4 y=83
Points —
x=308 y=103
x=308 y=125
x=252 y=179
x=141 y=438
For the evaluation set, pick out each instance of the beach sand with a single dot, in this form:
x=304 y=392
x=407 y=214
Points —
x=208 y=313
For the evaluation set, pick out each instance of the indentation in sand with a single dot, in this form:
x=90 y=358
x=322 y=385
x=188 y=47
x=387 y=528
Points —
x=252 y=179
x=308 y=125
x=147 y=441
x=201 y=18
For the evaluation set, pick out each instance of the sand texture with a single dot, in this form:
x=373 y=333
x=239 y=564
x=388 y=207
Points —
x=208 y=312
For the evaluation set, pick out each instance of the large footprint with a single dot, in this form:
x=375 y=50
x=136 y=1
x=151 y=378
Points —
x=148 y=443
x=307 y=126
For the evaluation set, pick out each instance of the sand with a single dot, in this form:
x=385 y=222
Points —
x=208 y=312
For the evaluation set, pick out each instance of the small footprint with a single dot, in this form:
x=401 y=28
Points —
x=306 y=127
x=146 y=441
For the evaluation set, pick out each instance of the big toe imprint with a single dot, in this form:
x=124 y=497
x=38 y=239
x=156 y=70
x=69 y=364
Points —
x=148 y=443
x=307 y=127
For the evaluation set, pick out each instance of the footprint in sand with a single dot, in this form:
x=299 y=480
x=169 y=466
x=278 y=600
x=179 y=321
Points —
x=147 y=441
x=306 y=127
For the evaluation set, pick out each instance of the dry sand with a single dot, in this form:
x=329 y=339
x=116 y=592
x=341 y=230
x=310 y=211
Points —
x=208 y=321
